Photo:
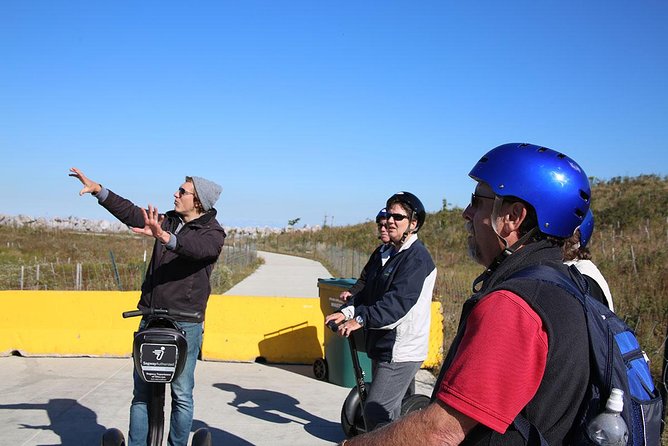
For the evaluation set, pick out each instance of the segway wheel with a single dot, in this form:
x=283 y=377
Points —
x=352 y=420
x=413 y=403
x=113 y=437
x=201 y=437
x=348 y=426
x=320 y=370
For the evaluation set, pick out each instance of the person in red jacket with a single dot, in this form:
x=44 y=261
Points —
x=188 y=242
x=521 y=353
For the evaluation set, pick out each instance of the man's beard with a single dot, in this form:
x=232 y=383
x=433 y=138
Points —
x=472 y=249
x=471 y=246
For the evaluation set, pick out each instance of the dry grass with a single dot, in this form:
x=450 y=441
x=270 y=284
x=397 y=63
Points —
x=48 y=259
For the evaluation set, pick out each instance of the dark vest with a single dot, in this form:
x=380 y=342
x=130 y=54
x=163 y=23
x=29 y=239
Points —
x=555 y=406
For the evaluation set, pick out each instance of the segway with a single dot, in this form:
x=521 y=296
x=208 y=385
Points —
x=159 y=352
x=353 y=421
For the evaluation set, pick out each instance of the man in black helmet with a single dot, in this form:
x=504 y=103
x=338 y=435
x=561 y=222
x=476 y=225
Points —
x=394 y=308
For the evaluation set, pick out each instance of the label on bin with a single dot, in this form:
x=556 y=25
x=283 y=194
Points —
x=335 y=302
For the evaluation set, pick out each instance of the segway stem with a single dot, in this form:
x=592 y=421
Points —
x=357 y=368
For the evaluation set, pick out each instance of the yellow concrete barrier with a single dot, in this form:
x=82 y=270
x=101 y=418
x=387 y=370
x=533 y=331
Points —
x=278 y=329
x=237 y=328
x=67 y=323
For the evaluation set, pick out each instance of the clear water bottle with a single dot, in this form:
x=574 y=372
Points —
x=608 y=428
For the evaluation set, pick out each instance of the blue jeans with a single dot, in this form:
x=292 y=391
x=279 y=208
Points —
x=182 y=395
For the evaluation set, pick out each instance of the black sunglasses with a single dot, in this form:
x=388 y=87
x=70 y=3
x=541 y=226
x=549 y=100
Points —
x=397 y=217
x=476 y=197
x=182 y=192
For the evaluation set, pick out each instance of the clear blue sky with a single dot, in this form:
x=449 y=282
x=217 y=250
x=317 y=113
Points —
x=318 y=108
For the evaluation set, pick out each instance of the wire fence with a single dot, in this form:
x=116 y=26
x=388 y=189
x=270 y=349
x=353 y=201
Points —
x=71 y=274
x=339 y=260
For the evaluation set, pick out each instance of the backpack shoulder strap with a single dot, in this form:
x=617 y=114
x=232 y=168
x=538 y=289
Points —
x=574 y=285
x=529 y=432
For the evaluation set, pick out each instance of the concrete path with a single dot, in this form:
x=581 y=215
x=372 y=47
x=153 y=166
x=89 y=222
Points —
x=72 y=401
x=282 y=275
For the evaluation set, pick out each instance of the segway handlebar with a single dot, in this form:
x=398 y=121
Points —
x=351 y=339
x=162 y=312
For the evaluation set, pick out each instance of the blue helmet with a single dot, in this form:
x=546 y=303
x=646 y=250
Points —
x=381 y=215
x=551 y=182
x=586 y=228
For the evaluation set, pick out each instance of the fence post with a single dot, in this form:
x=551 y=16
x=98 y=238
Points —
x=78 y=279
x=118 y=277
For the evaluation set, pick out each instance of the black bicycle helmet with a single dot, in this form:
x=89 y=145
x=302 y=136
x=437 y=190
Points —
x=413 y=202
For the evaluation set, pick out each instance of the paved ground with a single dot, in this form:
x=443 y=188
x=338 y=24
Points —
x=282 y=275
x=71 y=401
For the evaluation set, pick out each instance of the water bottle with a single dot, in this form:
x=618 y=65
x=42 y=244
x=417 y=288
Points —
x=608 y=428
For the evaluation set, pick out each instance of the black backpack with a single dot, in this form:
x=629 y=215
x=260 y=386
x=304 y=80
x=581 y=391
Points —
x=617 y=361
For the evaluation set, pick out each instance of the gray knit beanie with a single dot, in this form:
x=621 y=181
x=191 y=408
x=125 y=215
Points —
x=207 y=192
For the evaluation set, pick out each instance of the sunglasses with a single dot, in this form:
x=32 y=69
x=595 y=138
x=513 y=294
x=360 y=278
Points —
x=397 y=217
x=475 y=199
x=182 y=192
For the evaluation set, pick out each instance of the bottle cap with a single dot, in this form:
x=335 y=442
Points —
x=615 y=401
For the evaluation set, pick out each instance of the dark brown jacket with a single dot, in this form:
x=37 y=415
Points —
x=177 y=279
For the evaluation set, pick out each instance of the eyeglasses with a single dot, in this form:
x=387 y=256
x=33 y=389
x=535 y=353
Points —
x=476 y=197
x=182 y=192
x=397 y=217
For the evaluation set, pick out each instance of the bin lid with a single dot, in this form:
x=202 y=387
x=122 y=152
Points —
x=338 y=282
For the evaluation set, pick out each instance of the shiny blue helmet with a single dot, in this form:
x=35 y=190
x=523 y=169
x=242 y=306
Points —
x=551 y=182
x=586 y=229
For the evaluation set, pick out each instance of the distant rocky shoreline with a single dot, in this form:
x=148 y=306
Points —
x=105 y=226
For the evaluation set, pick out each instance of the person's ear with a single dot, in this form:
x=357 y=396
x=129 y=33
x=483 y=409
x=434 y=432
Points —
x=515 y=216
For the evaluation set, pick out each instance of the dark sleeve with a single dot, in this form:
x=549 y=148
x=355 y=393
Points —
x=124 y=210
x=361 y=281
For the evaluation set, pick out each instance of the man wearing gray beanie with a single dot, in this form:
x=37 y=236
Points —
x=189 y=241
x=206 y=191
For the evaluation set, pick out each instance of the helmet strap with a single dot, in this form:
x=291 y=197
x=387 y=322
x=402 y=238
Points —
x=408 y=231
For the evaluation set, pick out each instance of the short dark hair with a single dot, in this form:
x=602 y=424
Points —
x=198 y=204
x=395 y=200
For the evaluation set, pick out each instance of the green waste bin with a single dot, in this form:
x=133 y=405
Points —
x=338 y=364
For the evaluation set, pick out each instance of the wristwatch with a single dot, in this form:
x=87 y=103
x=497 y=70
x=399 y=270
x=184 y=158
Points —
x=360 y=320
